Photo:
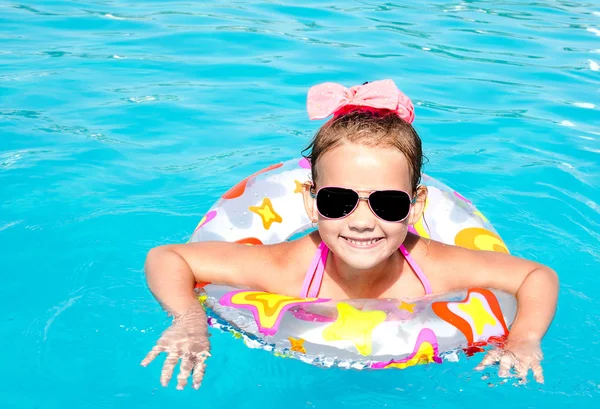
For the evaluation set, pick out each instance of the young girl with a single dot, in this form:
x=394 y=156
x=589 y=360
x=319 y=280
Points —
x=366 y=167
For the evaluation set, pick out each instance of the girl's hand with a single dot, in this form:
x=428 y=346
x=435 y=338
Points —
x=185 y=339
x=519 y=354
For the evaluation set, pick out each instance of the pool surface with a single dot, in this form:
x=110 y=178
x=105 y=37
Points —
x=121 y=122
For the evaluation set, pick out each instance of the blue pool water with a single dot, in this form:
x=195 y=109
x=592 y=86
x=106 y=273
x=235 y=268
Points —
x=122 y=121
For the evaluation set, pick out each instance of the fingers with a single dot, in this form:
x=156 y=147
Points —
x=192 y=349
x=507 y=359
x=154 y=352
x=489 y=359
x=538 y=374
x=506 y=363
x=167 y=371
x=199 y=371
x=187 y=364
x=522 y=370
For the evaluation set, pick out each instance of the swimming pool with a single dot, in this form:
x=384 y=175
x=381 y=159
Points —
x=122 y=122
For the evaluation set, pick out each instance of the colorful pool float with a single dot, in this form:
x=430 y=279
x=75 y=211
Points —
x=267 y=208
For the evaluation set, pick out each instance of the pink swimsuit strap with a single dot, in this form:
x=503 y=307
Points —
x=420 y=274
x=314 y=275
x=315 y=272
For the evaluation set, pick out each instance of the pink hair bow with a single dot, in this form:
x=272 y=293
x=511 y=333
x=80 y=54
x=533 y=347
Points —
x=332 y=98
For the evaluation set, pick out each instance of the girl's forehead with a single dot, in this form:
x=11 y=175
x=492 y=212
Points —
x=364 y=167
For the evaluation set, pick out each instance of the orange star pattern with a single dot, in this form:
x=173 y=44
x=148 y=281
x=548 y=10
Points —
x=407 y=306
x=297 y=345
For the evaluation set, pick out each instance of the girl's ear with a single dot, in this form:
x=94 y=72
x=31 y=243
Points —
x=310 y=206
x=417 y=209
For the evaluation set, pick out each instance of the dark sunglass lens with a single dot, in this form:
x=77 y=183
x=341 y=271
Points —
x=390 y=205
x=336 y=202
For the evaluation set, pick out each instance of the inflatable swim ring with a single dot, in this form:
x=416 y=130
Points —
x=267 y=208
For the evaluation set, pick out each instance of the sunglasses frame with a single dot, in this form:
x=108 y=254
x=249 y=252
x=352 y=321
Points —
x=367 y=198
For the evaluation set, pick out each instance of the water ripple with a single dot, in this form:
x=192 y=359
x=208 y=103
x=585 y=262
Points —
x=34 y=10
x=124 y=121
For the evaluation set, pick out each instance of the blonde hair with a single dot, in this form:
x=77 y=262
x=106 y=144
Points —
x=374 y=128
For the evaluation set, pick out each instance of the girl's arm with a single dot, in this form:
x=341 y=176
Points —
x=536 y=300
x=173 y=270
x=171 y=273
x=534 y=285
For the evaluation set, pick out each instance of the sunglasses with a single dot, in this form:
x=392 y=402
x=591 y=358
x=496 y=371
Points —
x=339 y=202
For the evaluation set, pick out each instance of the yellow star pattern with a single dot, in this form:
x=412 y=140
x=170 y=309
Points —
x=478 y=313
x=299 y=188
x=354 y=325
x=407 y=306
x=266 y=213
x=297 y=345
x=266 y=306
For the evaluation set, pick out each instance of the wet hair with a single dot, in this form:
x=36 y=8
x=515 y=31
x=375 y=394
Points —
x=372 y=128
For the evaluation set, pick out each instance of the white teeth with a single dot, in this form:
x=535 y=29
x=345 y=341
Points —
x=362 y=243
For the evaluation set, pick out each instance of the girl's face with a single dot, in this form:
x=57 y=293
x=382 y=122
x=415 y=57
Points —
x=362 y=240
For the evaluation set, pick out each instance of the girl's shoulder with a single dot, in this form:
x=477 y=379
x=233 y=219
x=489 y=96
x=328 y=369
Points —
x=293 y=260
x=449 y=267
x=440 y=262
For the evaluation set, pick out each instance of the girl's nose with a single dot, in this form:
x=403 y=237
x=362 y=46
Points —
x=362 y=218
